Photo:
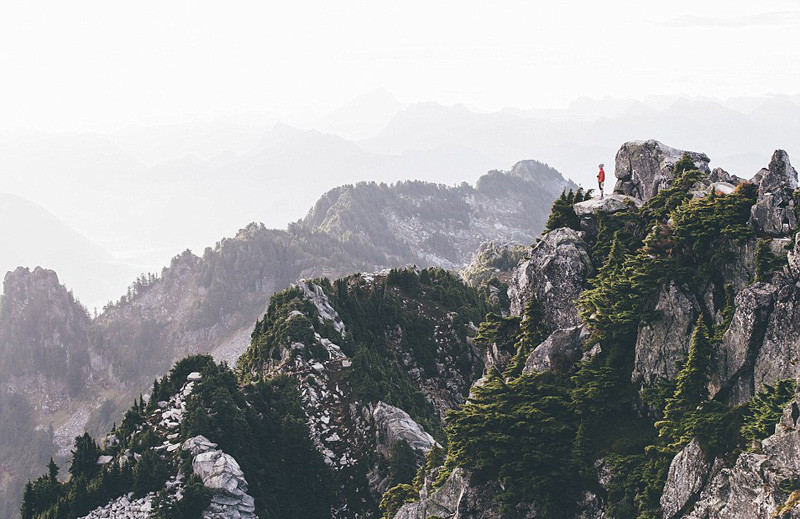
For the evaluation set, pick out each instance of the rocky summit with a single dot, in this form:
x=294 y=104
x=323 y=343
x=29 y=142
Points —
x=639 y=360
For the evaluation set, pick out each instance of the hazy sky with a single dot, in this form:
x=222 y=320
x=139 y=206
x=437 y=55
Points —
x=76 y=64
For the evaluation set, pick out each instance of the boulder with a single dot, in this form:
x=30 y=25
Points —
x=219 y=471
x=392 y=424
x=773 y=214
x=643 y=168
x=663 y=343
x=563 y=347
x=720 y=175
x=555 y=274
x=611 y=203
x=688 y=473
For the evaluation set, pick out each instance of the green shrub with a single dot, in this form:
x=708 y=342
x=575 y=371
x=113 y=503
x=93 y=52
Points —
x=396 y=497
x=765 y=408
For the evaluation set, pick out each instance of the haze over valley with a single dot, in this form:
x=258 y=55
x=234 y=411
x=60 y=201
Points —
x=141 y=193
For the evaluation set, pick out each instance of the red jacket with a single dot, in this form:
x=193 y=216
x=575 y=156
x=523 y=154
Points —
x=601 y=177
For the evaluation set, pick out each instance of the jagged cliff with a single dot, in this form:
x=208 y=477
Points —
x=672 y=331
x=343 y=389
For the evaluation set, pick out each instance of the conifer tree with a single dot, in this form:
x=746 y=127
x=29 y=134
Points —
x=533 y=332
x=691 y=389
x=52 y=471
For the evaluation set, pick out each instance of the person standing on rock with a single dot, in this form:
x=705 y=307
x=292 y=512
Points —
x=601 y=179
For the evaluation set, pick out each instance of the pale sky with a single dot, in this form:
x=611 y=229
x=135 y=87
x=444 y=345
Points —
x=71 y=65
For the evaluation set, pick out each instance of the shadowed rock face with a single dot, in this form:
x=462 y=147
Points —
x=663 y=343
x=643 y=168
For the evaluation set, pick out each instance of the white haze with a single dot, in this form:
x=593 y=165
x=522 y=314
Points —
x=129 y=132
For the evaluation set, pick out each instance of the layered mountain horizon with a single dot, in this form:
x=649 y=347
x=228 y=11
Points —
x=637 y=361
x=134 y=189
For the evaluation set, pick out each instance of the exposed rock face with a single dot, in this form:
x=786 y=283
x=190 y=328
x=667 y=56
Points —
x=732 y=362
x=455 y=499
x=780 y=352
x=774 y=212
x=562 y=348
x=687 y=475
x=664 y=342
x=392 y=424
x=555 y=274
x=793 y=258
x=643 y=168
x=752 y=486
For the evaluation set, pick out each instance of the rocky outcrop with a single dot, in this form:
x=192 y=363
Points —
x=643 y=168
x=555 y=274
x=125 y=507
x=221 y=473
x=663 y=342
x=688 y=473
x=757 y=484
x=779 y=355
x=561 y=349
x=611 y=203
x=455 y=499
x=774 y=211
x=392 y=424
x=732 y=362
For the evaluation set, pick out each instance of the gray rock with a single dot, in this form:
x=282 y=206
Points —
x=664 y=342
x=643 y=168
x=198 y=444
x=563 y=347
x=611 y=203
x=779 y=355
x=555 y=274
x=392 y=424
x=732 y=362
x=455 y=499
x=720 y=175
x=687 y=475
x=219 y=471
x=774 y=213
x=793 y=258
x=752 y=486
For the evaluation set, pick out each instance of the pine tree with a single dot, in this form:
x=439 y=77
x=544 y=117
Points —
x=52 y=471
x=533 y=332
x=84 y=457
x=27 y=508
x=402 y=463
x=691 y=389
